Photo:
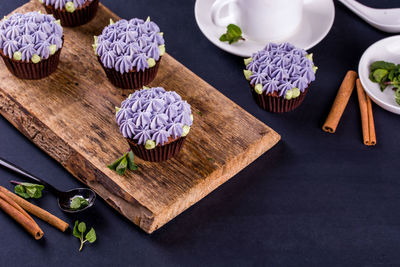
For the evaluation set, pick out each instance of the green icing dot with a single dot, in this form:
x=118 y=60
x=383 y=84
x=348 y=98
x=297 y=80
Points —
x=289 y=94
x=258 y=88
x=111 y=22
x=161 y=33
x=53 y=49
x=315 y=68
x=310 y=57
x=117 y=109
x=70 y=7
x=191 y=117
x=151 y=62
x=17 y=55
x=145 y=87
x=295 y=92
x=247 y=61
x=96 y=39
x=148 y=19
x=35 y=58
x=162 y=50
x=95 y=49
x=57 y=22
x=5 y=17
x=150 y=144
x=186 y=130
x=247 y=74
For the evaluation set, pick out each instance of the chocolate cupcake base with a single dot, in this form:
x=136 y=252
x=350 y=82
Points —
x=277 y=104
x=131 y=80
x=159 y=153
x=80 y=16
x=30 y=70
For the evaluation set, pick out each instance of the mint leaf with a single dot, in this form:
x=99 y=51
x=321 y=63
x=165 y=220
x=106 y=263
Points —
x=20 y=190
x=382 y=65
x=113 y=166
x=76 y=232
x=91 y=236
x=122 y=166
x=131 y=161
x=78 y=203
x=233 y=34
x=82 y=227
x=380 y=75
x=234 y=30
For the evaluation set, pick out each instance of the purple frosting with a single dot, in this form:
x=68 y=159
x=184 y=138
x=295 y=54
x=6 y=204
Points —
x=153 y=114
x=31 y=33
x=60 y=4
x=279 y=68
x=135 y=41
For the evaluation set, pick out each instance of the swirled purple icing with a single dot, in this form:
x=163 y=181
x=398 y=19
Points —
x=30 y=33
x=135 y=40
x=279 y=68
x=153 y=114
x=60 y=4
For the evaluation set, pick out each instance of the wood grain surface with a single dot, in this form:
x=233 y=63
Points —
x=70 y=115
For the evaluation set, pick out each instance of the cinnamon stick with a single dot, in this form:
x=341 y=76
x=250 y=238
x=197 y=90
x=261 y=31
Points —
x=38 y=212
x=340 y=103
x=367 y=119
x=20 y=216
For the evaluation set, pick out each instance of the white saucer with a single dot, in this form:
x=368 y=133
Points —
x=387 y=49
x=317 y=21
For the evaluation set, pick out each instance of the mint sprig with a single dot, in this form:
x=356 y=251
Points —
x=123 y=163
x=28 y=190
x=79 y=231
x=386 y=74
x=233 y=34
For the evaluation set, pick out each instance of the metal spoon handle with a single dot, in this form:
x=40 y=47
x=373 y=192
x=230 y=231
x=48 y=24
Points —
x=27 y=175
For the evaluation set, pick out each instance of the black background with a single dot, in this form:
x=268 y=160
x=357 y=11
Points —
x=313 y=200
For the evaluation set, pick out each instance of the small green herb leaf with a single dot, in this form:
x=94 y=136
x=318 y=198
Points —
x=380 y=75
x=91 y=236
x=233 y=34
x=131 y=161
x=20 y=190
x=82 y=227
x=76 y=231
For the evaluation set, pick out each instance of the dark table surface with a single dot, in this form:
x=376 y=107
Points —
x=313 y=200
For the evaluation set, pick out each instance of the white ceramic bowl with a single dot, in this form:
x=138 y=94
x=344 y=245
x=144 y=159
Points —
x=387 y=49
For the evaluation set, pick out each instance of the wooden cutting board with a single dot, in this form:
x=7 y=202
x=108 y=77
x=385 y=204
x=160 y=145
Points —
x=70 y=115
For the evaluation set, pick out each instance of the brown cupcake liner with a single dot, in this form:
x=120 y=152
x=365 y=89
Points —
x=30 y=70
x=277 y=104
x=131 y=80
x=80 y=16
x=159 y=153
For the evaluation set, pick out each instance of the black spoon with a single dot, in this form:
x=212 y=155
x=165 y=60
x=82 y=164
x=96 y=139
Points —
x=64 y=198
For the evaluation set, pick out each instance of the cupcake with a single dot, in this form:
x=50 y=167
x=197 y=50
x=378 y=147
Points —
x=30 y=44
x=130 y=52
x=279 y=76
x=72 y=13
x=155 y=123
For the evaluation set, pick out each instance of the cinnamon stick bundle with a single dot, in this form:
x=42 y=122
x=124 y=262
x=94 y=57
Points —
x=367 y=118
x=340 y=103
x=18 y=214
x=35 y=210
